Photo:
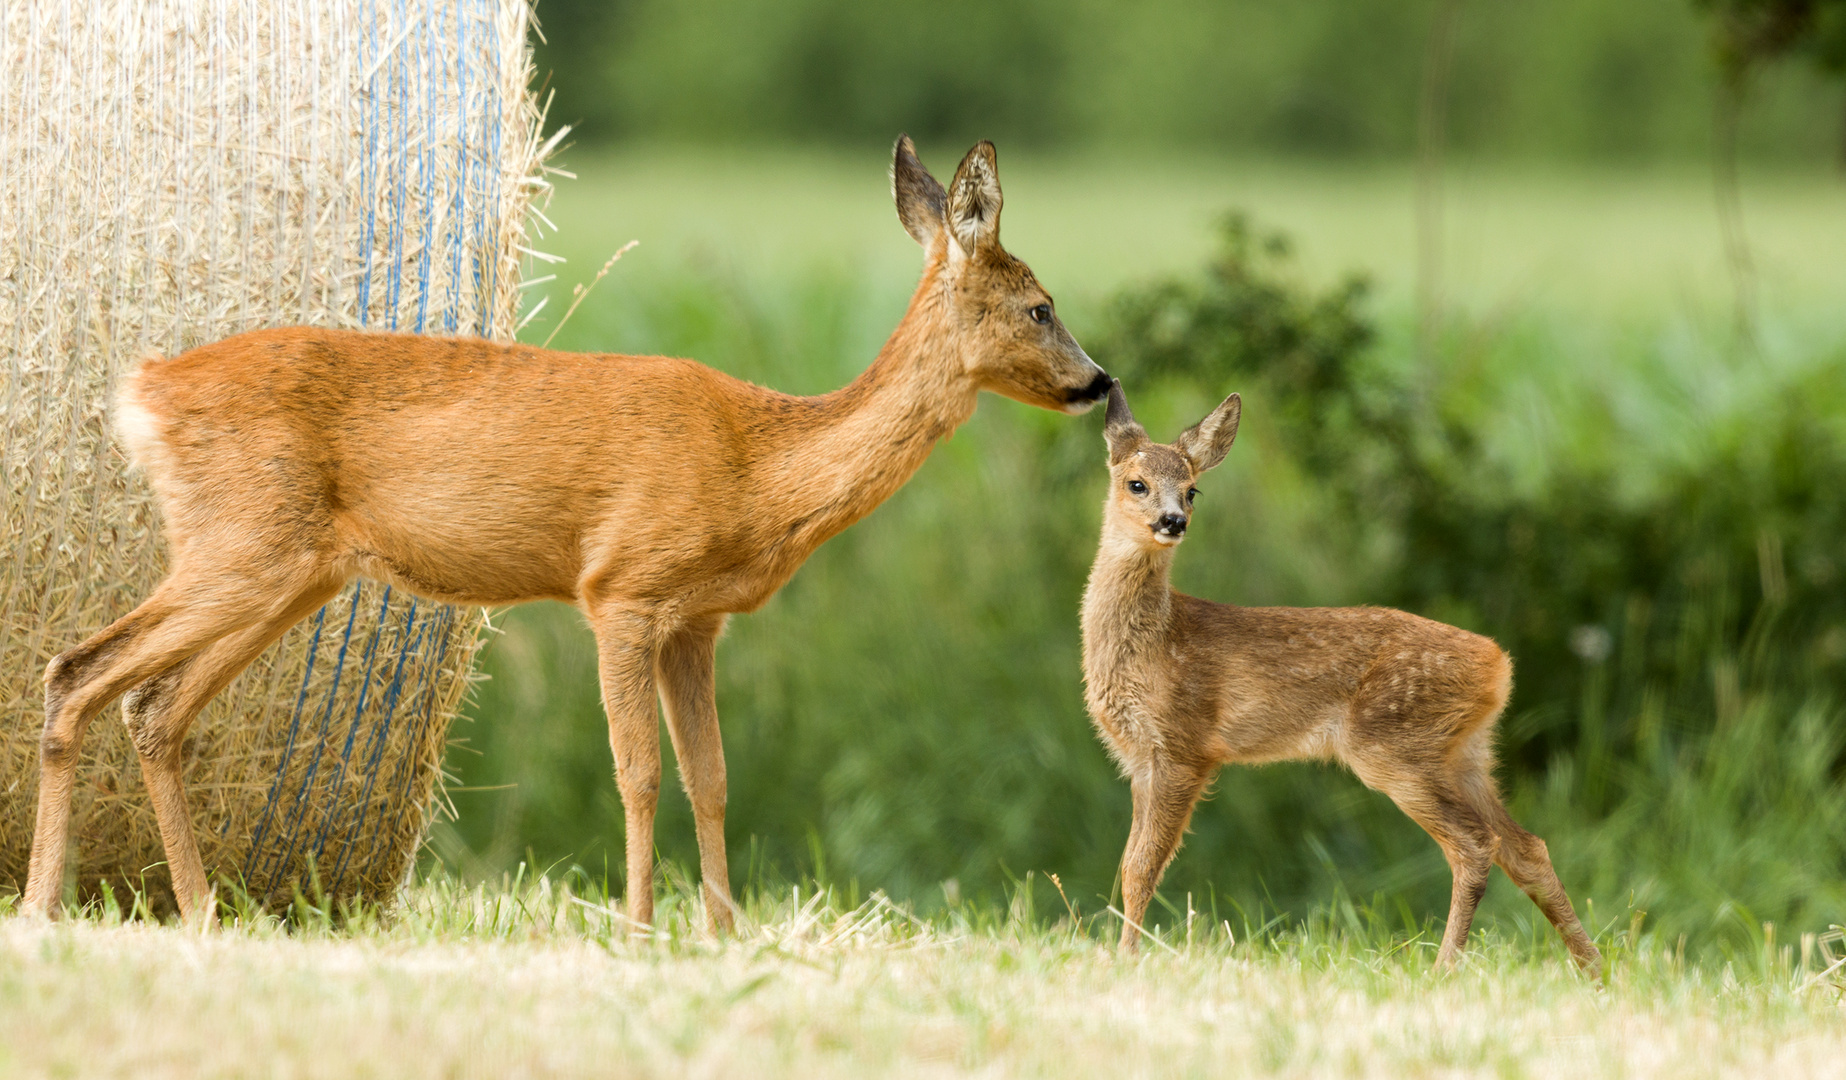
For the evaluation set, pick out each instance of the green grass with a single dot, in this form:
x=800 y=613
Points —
x=540 y=977
x=1612 y=244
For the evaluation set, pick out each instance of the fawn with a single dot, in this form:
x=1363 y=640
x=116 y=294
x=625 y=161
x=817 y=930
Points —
x=657 y=495
x=1179 y=686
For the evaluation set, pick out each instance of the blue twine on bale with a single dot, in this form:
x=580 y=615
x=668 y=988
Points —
x=293 y=815
x=421 y=637
x=288 y=747
x=352 y=729
x=380 y=738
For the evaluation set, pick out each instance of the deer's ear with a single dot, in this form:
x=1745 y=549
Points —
x=974 y=199
x=921 y=202
x=1119 y=428
x=1206 y=442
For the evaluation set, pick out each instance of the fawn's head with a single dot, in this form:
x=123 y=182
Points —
x=1003 y=321
x=1151 y=484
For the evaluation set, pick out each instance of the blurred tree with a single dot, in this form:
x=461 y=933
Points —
x=574 y=39
x=1582 y=78
x=1749 y=35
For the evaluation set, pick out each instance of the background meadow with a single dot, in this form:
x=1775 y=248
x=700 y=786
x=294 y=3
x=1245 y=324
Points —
x=1508 y=378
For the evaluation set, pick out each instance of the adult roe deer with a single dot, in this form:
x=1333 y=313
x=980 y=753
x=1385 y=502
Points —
x=1179 y=686
x=656 y=494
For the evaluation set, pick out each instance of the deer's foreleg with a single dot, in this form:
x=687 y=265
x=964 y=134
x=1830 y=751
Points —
x=625 y=658
x=684 y=670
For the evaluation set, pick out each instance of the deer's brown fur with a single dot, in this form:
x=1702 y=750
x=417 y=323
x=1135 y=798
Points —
x=656 y=494
x=1179 y=686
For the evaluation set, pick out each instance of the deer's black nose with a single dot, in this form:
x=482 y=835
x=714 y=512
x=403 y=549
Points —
x=1097 y=389
x=1171 y=524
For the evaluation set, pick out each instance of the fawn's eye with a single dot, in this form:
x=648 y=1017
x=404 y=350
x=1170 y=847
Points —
x=1137 y=487
x=1191 y=494
x=1041 y=313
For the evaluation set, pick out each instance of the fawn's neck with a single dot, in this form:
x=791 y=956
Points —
x=1128 y=604
x=866 y=439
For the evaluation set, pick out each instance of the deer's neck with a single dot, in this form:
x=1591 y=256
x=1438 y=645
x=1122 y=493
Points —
x=864 y=441
x=1127 y=607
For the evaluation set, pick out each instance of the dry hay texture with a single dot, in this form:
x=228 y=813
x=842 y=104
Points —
x=172 y=173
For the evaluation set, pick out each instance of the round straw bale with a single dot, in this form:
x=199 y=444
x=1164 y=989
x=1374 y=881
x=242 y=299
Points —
x=173 y=172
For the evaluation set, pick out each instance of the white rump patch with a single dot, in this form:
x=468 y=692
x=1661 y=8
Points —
x=137 y=426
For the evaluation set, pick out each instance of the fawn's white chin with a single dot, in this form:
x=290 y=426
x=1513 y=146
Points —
x=1166 y=539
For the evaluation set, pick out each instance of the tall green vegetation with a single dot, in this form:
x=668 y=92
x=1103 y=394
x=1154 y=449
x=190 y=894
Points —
x=1648 y=522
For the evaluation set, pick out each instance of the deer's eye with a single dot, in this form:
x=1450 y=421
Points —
x=1137 y=487
x=1191 y=494
x=1041 y=313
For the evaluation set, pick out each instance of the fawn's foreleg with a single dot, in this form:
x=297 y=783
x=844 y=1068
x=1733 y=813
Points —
x=1164 y=795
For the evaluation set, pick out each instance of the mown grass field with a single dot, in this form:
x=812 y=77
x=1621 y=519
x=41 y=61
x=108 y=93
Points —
x=525 y=980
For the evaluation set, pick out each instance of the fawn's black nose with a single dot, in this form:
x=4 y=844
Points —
x=1171 y=524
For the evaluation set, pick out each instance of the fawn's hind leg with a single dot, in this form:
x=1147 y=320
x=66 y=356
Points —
x=1526 y=860
x=1519 y=853
x=1444 y=810
x=1470 y=847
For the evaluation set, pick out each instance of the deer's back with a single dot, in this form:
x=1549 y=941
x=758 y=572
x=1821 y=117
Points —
x=465 y=469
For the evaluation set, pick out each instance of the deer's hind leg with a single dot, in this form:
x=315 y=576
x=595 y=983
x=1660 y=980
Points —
x=1470 y=847
x=161 y=710
x=189 y=611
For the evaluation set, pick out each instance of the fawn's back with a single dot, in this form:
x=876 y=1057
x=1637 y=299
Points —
x=1257 y=684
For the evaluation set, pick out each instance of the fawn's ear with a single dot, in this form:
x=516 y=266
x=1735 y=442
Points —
x=1206 y=442
x=921 y=202
x=1119 y=429
x=974 y=199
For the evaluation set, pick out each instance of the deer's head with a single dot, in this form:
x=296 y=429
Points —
x=1151 y=485
x=1001 y=319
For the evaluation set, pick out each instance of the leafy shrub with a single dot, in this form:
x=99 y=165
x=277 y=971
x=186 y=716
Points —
x=1657 y=609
